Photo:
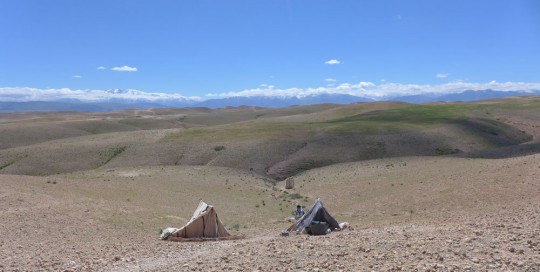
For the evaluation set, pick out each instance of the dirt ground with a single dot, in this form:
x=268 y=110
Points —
x=40 y=232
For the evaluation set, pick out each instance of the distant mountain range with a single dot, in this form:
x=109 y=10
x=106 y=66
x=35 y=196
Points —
x=280 y=102
x=259 y=101
x=465 y=96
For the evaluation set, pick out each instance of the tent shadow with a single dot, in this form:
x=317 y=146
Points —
x=206 y=239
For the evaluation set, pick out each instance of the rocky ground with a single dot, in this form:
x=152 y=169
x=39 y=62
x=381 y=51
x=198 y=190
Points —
x=504 y=242
x=40 y=236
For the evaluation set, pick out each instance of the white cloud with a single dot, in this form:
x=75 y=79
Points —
x=442 y=75
x=330 y=80
x=21 y=94
x=383 y=90
x=363 y=89
x=76 y=76
x=124 y=68
x=332 y=62
x=102 y=68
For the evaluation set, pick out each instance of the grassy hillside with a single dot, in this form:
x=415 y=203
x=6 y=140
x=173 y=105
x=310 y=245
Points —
x=275 y=143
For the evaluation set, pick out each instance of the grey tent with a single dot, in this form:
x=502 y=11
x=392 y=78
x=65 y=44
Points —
x=316 y=214
x=204 y=223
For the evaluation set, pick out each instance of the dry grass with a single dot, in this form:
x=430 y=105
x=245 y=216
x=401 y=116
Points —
x=421 y=187
x=276 y=143
x=362 y=192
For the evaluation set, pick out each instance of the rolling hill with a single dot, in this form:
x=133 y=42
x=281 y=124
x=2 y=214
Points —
x=275 y=143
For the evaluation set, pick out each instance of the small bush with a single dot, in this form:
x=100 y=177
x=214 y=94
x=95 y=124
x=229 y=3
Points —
x=295 y=196
x=219 y=148
x=235 y=227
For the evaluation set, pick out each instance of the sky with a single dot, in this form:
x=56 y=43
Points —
x=207 y=49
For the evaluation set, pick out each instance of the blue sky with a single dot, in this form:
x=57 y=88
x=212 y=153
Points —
x=201 y=47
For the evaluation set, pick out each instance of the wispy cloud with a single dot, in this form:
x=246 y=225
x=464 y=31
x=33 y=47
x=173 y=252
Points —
x=442 y=75
x=124 y=68
x=268 y=86
x=330 y=80
x=102 y=68
x=332 y=62
x=77 y=76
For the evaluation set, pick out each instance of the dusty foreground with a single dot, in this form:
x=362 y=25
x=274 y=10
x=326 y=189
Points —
x=506 y=243
x=43 y=234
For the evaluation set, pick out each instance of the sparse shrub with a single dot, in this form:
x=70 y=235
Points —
x=446 y=150
x=295 y=196
x=257 y=206
x=235 y=227
x=219 y=148
x=114 y=152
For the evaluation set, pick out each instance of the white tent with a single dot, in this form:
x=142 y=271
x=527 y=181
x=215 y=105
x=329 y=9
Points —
x=204 y=223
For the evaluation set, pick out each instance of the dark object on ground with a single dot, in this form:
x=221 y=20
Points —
x=317 y=228
x=317 y=212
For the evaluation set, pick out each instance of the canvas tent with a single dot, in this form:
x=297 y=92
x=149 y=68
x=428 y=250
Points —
x=317 y=213
x=204 y=223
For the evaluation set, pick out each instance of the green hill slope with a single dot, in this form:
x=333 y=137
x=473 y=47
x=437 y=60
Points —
x=276 y=143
